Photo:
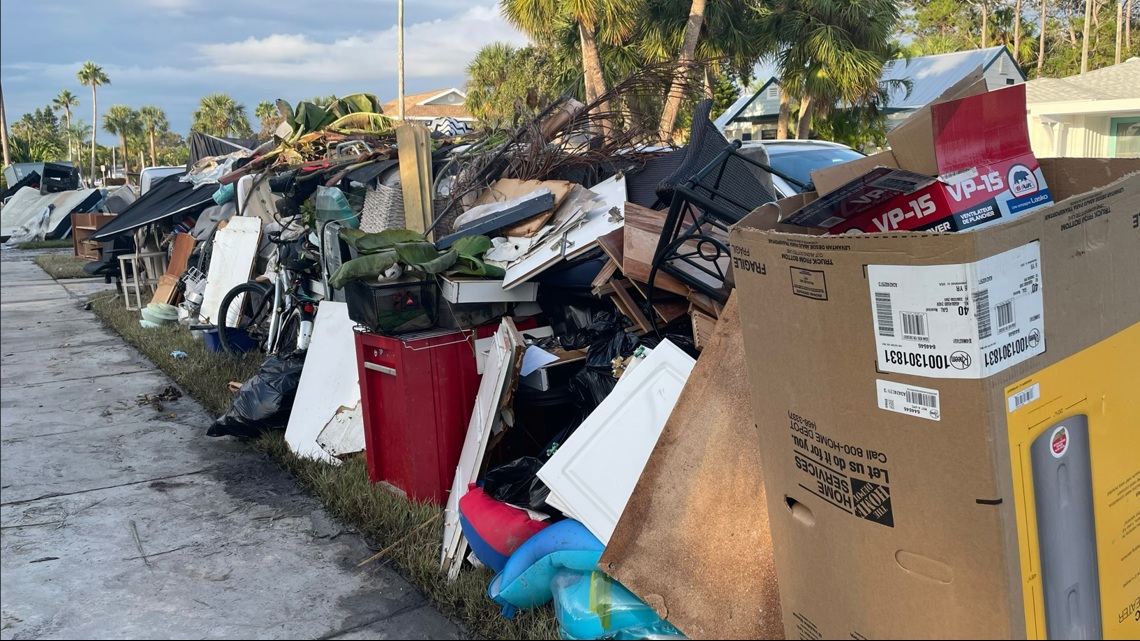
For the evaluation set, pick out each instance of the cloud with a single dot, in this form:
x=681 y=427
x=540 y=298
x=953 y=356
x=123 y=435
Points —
x=437 y=48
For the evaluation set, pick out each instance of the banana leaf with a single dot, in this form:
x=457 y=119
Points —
x=469 y=266
x=353 y=103
x=423 y=256
x=362 y=121
x=365 y=267
x=285 y=110
x=351 y=234
x=371 y=243
x=309 y=118
x=473 y=246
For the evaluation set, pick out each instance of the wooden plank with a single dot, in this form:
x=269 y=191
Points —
x=643 y=228
x=715 y=580
x=427 y=178
x=179 y=259
x=630 y=307
x=416 y=211
x=607 y=272
x=669 y=307
x=613 y=244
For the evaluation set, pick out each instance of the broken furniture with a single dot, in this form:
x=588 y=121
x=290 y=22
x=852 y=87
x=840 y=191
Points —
x=416 y=395
x=144 y=268
x=82 y=227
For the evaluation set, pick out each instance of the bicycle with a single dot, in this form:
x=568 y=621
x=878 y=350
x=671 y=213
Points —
x=277 y=312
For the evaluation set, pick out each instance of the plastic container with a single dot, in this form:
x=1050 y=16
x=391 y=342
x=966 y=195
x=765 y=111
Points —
x=393 y=308
x=332 y=205
x=239 y=339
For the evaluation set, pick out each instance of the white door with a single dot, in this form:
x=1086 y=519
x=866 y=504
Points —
x=594 y=472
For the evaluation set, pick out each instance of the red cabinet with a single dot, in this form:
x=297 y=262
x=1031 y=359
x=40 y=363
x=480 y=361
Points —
x=417 y=392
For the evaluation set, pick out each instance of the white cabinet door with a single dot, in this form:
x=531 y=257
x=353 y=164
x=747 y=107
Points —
x=594 y=472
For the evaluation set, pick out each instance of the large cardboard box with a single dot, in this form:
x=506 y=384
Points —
x=949 y=422
x=986 y=173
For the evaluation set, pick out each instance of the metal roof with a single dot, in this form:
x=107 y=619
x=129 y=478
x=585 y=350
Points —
x=930 y=76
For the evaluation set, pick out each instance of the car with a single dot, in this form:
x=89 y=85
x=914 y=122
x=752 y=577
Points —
x=798 y=158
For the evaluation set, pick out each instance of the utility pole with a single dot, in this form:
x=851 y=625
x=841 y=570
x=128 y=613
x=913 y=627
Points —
x=1085 y=38
x=4 y=130
x=400 y=57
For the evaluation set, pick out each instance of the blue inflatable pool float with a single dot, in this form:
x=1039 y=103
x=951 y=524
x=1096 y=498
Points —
x=525 y=580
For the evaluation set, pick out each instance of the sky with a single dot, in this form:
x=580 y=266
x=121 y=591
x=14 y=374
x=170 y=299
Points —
x=170 y=53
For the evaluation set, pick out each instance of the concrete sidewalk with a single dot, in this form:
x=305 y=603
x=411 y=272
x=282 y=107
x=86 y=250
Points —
x=123 y=521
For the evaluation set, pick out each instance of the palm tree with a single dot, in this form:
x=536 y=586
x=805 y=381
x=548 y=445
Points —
x=123 y=121
x=218 y=115
x=830 y=52
x=92 y=75
x=64 y=102
x=79 y=131
x=267 y=112
x=684 y=61
x=1041 y=41
x=153 y=121
x=610 y=21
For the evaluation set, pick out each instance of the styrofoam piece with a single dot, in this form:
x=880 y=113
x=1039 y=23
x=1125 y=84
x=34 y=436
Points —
x=231 y=262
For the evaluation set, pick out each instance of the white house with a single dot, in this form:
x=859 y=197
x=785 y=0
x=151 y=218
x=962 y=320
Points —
x=441 y=110
x=1094 y=115
x=753 y=117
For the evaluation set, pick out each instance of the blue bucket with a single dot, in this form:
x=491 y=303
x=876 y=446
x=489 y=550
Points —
x=239 y=339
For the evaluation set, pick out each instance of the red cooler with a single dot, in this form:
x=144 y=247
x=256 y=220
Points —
x=417 y=392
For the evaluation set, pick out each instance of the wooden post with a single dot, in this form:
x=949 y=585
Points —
x=400 y=57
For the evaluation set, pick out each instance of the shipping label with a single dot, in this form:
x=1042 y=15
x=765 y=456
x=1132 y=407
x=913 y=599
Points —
x=912 y=400
x=969 y=320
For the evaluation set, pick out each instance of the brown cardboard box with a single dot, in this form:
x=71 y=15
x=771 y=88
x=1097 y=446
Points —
x=887 y=458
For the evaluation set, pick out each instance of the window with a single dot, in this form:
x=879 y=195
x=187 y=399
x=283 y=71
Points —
x=1124 y=137
x=1010 y=81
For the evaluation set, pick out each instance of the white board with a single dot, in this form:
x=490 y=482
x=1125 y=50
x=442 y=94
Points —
x=344 y=433
x=594 y=472
x=231 y=261
x=329 y=381
x=577 y=224
x=498 y=374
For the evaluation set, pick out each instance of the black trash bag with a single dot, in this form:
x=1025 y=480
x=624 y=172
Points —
x=596 y=379
x=602 y=327
x=517 y=483
x=264 y=402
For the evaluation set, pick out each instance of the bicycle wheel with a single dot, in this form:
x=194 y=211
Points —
x=244 y=316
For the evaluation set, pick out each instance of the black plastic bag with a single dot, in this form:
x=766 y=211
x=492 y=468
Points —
x=596 y=380
x=517 y=483
x=264 y=402
x=603 y=325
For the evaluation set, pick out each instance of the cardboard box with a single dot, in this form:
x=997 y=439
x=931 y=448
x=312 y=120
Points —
x=986 y=174
x=473 y=290
x=899 y=382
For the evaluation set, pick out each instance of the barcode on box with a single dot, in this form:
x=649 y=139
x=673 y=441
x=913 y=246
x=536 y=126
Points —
x=922 y=398
x=914 y=326
x=1024 y=397
x=982 y=309
x=884 y=314
x=1004 y=313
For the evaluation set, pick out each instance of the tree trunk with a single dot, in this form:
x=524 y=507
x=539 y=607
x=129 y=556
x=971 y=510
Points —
x=985 y=22
x=126 y=158
x=150 y=133
x=94 y=128
x=1017 y=32
x=1085 y=37
x=1128 y=27
x=4 y=131
x=803 y=126
x=683 y=72
x=1119 y=28
x=592 y=68
x=1041 y=42
x=783 y=120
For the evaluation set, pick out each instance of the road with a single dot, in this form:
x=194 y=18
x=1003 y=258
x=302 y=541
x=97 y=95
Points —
x=123 y=521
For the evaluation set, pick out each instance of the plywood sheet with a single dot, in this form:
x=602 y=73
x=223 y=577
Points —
x=693 y=541
x=235 y=248
x=643 y=228
x=415 y=181
x=179 y=259
x=329 y=381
